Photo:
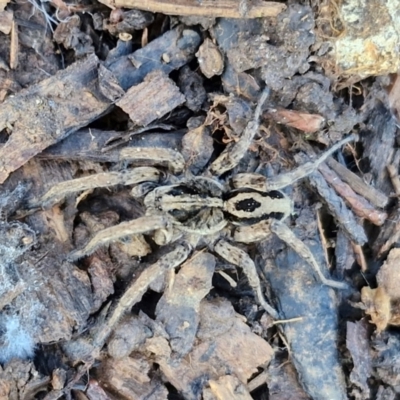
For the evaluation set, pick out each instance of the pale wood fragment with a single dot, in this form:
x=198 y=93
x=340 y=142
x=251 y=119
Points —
x=205 y=8
x=14 y=46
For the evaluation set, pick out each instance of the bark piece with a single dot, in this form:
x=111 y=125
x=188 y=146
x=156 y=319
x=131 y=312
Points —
x=167 y=53
x=197 y=148
x=95 y=392
x=17 y=238
x=178 y=309
x=386 y=360
x=336 y=206
x=375 y=196
x=102 y=284
x=152 y=99
x=130 y=378
x=313 y=339
x=359 y=205
x=191 y=85
x=379 y=142
x=98 y=145
x=66 y=305
x=357 y=341
x=220 y=8
x=227 y=387
x=130 y=334
x=389 y=235
x=127 y=21
x=282 y=380
x=48 y=112
x=70 y=35
x=108 y=84
x=215 y=353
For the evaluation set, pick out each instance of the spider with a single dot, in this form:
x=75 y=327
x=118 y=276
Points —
x=183 y=210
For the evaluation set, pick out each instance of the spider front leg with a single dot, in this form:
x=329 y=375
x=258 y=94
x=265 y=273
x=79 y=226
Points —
x=103 y=179
x=260 y=182
x=284 y=233
x=108 y=235
x=241 y=259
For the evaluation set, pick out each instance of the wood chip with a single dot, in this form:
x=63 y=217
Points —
x=359 y=205
x=357 y=341
x=152 y=99
x=375 y=196
x=206 y=8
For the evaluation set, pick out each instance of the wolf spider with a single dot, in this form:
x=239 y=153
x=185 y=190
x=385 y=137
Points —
x=185 y=210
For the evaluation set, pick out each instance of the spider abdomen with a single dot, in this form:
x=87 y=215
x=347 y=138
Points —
x=249 y=206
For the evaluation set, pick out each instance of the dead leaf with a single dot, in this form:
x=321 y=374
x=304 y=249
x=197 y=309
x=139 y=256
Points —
x=377 y=303
x=305 y=122
x=388 y=276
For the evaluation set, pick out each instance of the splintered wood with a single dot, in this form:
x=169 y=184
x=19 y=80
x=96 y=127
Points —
x=220 y=8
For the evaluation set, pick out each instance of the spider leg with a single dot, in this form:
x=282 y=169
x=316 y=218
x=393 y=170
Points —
x=154 y=156
x=103 y=179
x=260 y=182
x=232 y=155
x=138 y=288
x=240 y=258
x=166 y=235
x=134 y=227
x=284 y=233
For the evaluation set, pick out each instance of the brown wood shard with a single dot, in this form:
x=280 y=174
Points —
x=48 y=112
x=206 y=8
x=151 y=99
